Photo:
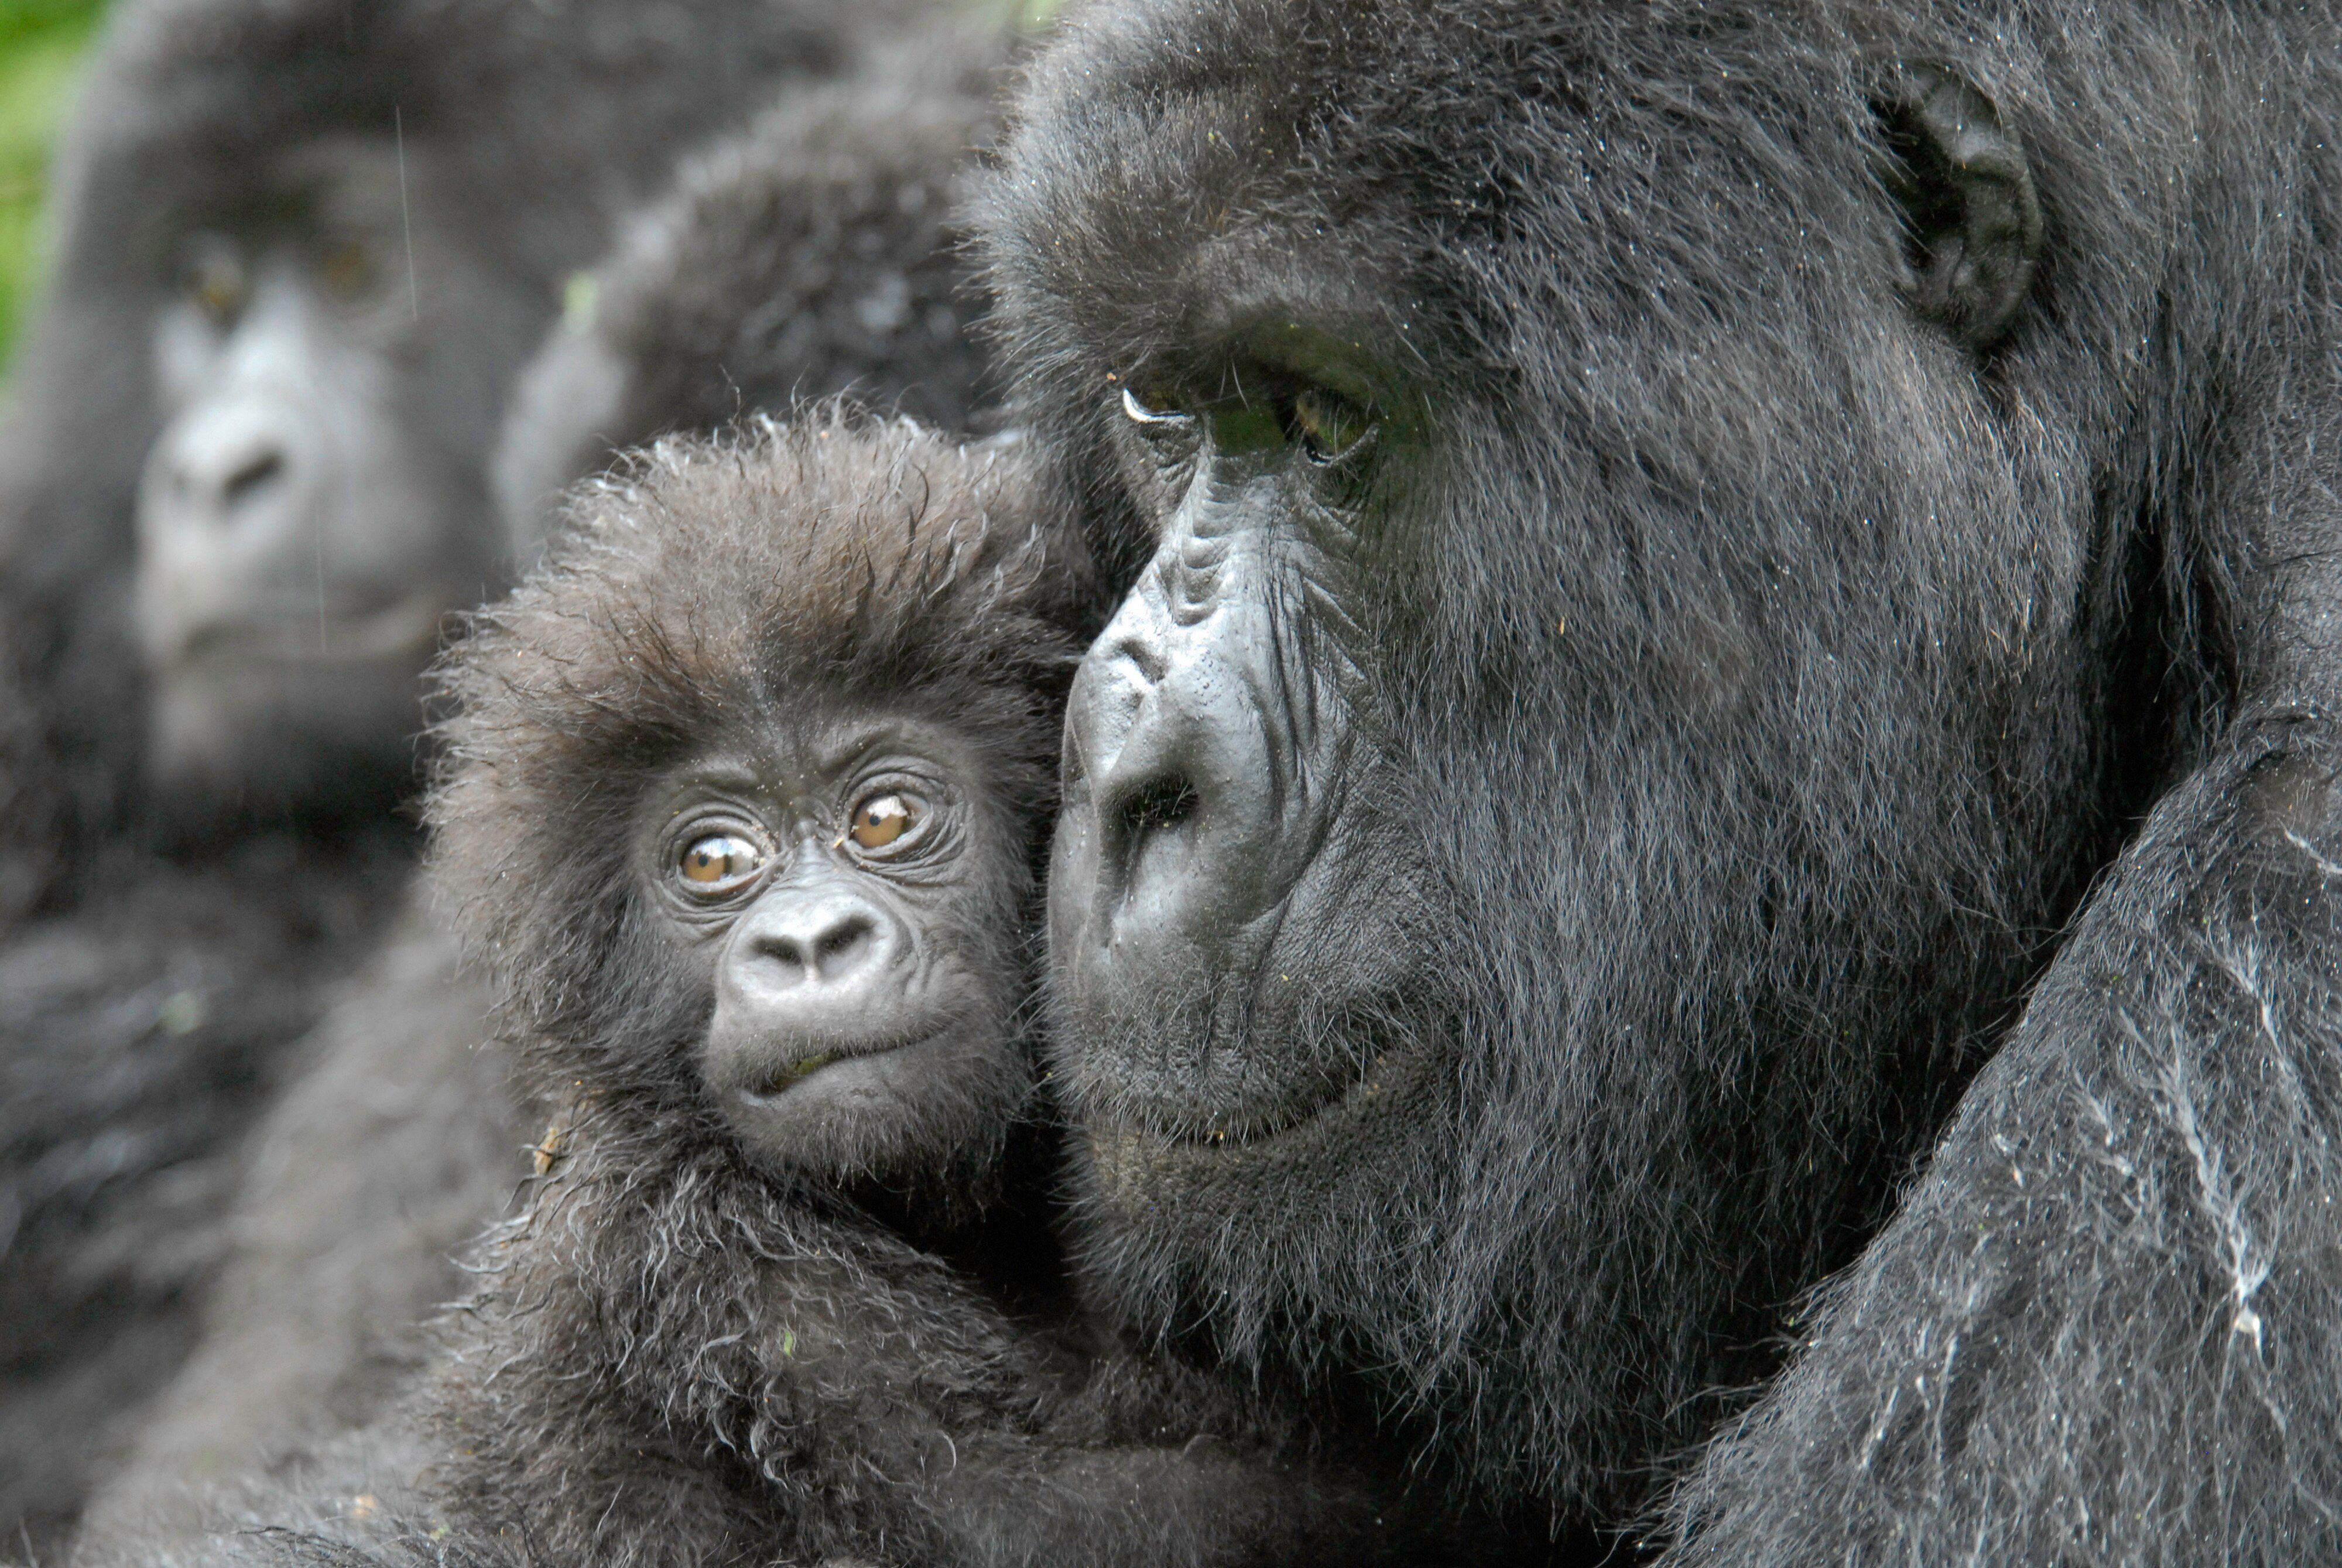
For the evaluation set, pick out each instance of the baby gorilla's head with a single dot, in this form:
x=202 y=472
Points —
x=848 y=887
x=744 y=789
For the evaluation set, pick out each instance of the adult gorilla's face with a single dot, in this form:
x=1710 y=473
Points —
x=1223 y=878
x=312 y=506
x=1595 y=723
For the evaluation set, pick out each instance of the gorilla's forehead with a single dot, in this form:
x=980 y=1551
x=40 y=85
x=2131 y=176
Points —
x=1198 y=164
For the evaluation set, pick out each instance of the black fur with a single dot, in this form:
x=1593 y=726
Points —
x=537 y=131
x=681 y=1357
x=136 y=1038
x=1769 y=696
x=519 y=135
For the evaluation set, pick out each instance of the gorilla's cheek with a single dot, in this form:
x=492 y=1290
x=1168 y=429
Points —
x=1225 y=919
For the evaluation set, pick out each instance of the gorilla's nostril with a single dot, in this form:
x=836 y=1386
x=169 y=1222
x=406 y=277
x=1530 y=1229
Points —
x=841 y=947
x=1159 y=805
x=1143 y=657
x=239 y=485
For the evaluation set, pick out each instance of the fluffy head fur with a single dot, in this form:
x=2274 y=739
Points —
x=830 y=562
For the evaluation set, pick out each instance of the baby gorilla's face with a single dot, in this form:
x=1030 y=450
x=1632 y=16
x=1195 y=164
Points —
x=851 y=895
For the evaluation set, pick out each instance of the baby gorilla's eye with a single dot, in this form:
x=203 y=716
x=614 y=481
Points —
x=718 y=861
x=881 y=820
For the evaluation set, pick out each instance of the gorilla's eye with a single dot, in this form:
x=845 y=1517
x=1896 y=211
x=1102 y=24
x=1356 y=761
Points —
x=216 y=280
x=717 y=862
x=1329 y=426
x=345 y=270
x=1158 y=413
x=881 y=820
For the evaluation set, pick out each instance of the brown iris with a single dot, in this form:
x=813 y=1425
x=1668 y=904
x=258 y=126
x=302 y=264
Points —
x=216 y=281
x=881 y=820
x=345 y=270
x=1330 y=426
x=716 y=860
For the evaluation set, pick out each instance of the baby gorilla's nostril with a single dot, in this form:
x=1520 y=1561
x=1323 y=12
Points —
x=841 y=947
x=830 y=950
x=262 y=469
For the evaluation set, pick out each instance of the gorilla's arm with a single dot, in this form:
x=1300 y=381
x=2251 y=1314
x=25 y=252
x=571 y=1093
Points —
x=2103 y=1322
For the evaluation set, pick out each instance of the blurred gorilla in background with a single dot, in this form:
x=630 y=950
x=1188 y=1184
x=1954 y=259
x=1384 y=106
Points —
x=818 y=252
x=304 y=244
x=1729 y=603
x=304 y=247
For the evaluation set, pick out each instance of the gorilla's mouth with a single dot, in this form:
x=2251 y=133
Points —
x=1368 y=1069
x=803 y=1068
x=1126 y=1152
x=797 y=1069
x=316 y=634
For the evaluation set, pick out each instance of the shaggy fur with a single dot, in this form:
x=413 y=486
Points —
x=1777 y=711
x=678 y=1358
x=136 y=1037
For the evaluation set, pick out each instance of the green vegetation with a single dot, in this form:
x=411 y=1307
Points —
x=41 y=44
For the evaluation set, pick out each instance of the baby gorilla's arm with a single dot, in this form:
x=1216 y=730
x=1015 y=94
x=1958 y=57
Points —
x=906 y=1372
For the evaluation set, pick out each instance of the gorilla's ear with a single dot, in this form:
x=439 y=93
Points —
x=1972 y=222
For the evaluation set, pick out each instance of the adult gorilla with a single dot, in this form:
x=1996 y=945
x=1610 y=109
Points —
x=1727 y=599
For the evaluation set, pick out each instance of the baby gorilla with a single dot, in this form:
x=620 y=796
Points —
x=744 y=796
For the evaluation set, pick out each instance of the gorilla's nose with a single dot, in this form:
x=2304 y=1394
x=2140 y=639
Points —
x=810 y=971
x=228 y=513
x=816 y=958
x=826 y=943
x=1182 y=808
x=233 y=467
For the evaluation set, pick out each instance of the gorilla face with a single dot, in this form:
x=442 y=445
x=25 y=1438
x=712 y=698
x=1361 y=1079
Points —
x=1573 y=539
x=1221 y=878
x=834 y=898
x=313 y=506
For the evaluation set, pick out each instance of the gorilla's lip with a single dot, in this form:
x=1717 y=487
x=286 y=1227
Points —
x=404 y=628
x=1354 y=1045
x=800 y=1068
x=1263 y=1121
x=1237 y=1136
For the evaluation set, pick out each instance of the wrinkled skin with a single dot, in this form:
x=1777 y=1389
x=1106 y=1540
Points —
x=843 y=903
x=1668 y=549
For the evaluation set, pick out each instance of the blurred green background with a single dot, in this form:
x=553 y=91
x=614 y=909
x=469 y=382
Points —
x=41 y=44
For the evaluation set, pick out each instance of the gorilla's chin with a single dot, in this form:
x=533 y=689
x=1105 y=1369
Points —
x=1221 y=1044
